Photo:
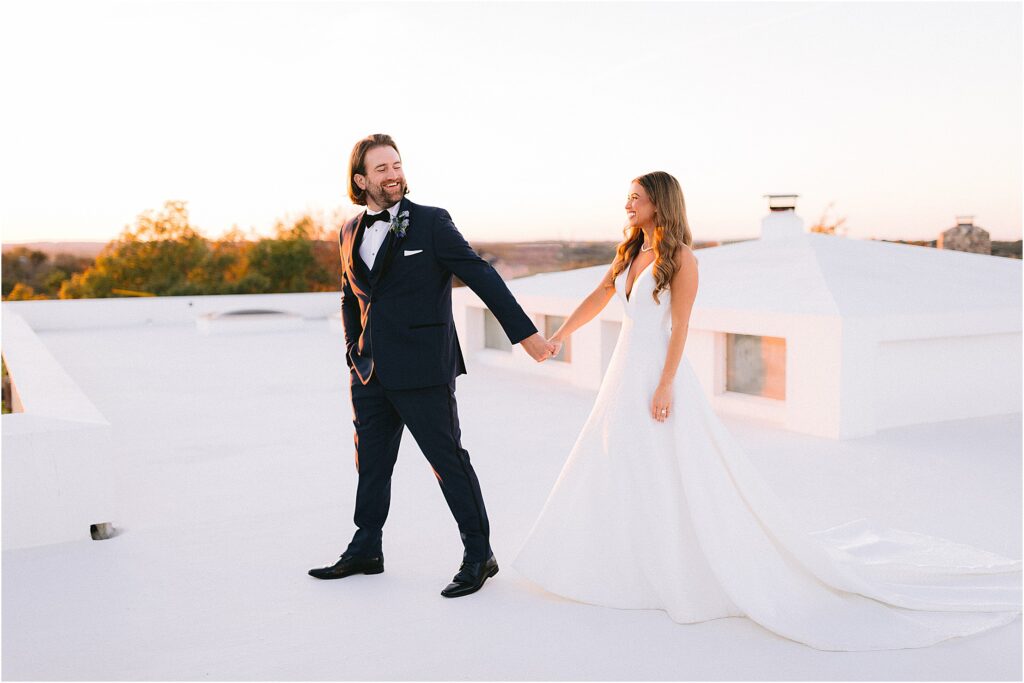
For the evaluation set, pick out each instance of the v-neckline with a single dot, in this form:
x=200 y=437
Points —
x=636 y=277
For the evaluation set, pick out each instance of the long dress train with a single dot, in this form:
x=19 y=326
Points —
x=674 y=516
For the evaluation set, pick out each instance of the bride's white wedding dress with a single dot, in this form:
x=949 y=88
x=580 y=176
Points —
x=674 y=516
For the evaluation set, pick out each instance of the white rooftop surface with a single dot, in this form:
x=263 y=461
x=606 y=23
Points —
x=236 y=476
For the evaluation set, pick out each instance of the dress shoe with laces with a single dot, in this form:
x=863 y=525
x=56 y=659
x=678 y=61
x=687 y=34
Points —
x=347 y=566
x=470 y=578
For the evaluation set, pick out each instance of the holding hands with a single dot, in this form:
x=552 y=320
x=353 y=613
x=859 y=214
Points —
x=540 y=349
x=556 y=345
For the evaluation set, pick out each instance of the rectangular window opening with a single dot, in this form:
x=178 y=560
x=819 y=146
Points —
x=494 y=335
x=756 y=365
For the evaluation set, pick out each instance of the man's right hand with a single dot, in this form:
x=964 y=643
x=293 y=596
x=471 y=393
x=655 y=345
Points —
x=538 y=347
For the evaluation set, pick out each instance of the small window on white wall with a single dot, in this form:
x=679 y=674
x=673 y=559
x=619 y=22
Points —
x=494 y=336
x=755 y=365
x=551 y=325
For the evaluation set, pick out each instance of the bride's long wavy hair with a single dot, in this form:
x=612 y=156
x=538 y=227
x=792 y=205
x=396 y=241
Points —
x=671 y=230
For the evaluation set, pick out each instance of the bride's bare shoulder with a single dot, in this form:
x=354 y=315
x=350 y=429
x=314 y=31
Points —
x=685 y=256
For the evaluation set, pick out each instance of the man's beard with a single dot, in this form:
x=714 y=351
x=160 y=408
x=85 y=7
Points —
x=385 y=199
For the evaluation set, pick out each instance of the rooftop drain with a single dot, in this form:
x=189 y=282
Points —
x=102 y=531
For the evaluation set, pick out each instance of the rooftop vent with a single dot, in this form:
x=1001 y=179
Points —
x=781 y=221
x=247 y=320
x=781 y=202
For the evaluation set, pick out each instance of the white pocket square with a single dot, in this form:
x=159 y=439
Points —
x=411 y=252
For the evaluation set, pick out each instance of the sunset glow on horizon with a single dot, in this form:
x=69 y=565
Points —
x=527 y=121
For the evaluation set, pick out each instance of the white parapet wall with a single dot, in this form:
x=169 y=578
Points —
x=77 y=314
x=58 y=476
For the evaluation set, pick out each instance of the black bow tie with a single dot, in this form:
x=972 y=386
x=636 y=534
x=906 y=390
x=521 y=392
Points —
x=369 y=220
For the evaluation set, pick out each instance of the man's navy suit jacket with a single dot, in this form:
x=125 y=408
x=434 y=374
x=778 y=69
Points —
x=405 y=305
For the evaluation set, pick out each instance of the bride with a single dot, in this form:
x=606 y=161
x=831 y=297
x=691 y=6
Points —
x=658 y=507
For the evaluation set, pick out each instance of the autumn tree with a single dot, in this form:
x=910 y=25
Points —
x=163 y=254
x=23 y=292
x=153 y=258
x=827 y=225
x=21 y=265
x=287 y=261
x=37 y=272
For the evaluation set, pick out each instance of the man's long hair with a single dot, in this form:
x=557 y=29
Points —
x=671 y=230
x=357 y=161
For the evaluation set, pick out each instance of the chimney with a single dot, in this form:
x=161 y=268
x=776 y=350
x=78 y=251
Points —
x=781 y=222
x=965 y=236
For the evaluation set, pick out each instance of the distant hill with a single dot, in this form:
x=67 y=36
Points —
x=84 y=249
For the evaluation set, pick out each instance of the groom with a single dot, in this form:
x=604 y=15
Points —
x=397 y=262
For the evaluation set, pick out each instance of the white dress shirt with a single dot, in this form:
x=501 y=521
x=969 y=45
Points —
x=373 y=236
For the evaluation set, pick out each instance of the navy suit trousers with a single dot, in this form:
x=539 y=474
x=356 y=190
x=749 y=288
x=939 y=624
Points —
x=431 y=415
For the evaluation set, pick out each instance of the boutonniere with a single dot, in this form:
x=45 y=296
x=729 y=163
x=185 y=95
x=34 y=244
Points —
x=400 y=223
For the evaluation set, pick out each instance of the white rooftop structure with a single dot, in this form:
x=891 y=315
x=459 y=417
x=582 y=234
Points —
x=820 y=334
x=226 y=469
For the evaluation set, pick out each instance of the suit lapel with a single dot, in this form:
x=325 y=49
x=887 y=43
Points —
x=355 y=261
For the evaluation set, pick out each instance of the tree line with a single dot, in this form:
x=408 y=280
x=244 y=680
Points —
x=163 y=254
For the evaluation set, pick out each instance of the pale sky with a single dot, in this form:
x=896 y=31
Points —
x=524 y=120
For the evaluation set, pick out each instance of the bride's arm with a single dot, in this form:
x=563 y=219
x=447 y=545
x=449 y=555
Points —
x=684 y=291
x=587 y=309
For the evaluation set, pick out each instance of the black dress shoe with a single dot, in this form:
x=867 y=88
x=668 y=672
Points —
x=347 y=566
x=470 y=578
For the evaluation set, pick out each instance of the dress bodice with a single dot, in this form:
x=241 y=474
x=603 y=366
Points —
x=640 y=308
